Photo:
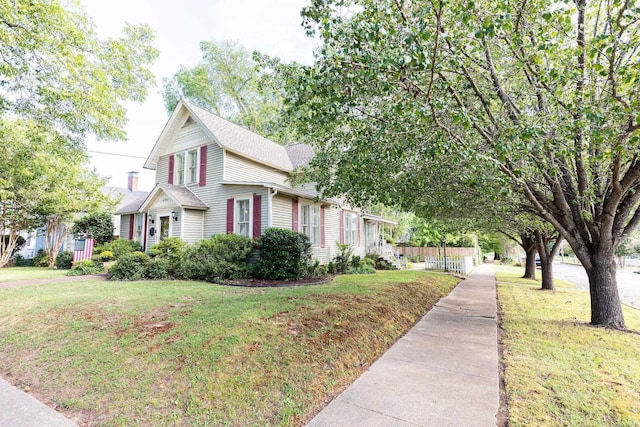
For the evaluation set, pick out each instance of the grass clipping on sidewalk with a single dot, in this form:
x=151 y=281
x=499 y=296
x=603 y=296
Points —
x=191 y=353
x=559 y=370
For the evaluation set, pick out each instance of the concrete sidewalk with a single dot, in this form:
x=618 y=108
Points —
x=19 y=409
x=443 y=372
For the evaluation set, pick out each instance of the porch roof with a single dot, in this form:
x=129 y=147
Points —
x=181 y=196
x=377 y=218
x=282 y=189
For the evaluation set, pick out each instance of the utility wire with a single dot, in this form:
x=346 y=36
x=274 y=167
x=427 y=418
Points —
x=117 y=155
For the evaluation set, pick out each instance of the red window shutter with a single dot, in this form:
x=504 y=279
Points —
x=203 y=166
x=341 y=226
x=257 y=216
x=131 y=221
x=358 y=230
x=230 y=203
x=172 y=160
x=294 y=214
x=322 y=241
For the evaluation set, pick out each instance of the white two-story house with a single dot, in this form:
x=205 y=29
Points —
x=214 y=176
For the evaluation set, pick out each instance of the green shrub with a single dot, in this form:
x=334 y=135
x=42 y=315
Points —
x=317 y=270
x=40 y=260
x=364 y=266
x=64 y=260
x=224 y=256
x=130 y=266
x=341 y=260
x=506 y=260
x=284 y=255
x=331 y=267
x=158 y=268
x=84 y=267
x=383 y=264
x=119 y=247
x=107 y=256
x=355 y=261
x=172 y=250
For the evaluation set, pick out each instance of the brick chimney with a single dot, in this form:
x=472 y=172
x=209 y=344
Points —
x=132 y=181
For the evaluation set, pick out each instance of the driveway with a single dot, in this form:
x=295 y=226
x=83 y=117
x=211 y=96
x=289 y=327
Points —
x=628 y=282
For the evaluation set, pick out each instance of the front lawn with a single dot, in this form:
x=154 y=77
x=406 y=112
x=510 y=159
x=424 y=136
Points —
x=193 y=353
x=559 y=370
x=14 y=274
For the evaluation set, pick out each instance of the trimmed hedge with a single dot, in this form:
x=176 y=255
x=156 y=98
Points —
x=284 y=255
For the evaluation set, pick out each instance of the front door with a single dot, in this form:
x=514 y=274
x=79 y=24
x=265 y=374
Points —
x=164 y=227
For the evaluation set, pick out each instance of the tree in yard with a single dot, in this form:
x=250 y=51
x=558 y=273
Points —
x=98 y=225
x=545 y=92
x=234 y=84
x=42 y=184
x=56 y=72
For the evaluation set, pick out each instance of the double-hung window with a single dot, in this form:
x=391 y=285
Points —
x=179 y=169
x=186 y=171
x=310 y=223
x=243 y=217
x=192 y=171
x=350 y=228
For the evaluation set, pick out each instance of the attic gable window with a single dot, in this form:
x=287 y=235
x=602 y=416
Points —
x=188 y=122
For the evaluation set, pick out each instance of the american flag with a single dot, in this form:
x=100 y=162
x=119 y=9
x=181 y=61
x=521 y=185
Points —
x=83 y=249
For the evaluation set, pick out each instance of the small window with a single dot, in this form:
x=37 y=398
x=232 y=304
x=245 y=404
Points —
x=243 y=217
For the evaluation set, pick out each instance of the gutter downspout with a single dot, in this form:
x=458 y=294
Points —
x=270 y=206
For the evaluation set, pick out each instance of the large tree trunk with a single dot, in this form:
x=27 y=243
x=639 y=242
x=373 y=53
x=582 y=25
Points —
x=547 y=273
x=529 y=246
x=606 y=308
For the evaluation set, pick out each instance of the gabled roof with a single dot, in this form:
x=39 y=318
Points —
x=129 y=201
x=181 y=196
x=232 y=137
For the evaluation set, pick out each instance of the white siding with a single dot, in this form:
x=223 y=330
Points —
x=282 y=212
x=192 y=221
x=238 y=168
x=188 y=137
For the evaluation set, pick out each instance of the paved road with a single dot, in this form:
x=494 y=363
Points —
x=628 y=282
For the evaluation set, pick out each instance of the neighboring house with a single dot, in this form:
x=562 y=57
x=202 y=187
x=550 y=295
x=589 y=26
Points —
x=130 y=199
x=214 y=177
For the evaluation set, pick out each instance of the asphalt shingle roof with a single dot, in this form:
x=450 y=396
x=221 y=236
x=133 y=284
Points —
x=243 y=141
x=183 y=196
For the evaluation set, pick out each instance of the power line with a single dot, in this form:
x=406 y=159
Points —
x=117 y=155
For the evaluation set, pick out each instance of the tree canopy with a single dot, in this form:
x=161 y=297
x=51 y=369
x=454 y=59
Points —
x=545 y=92
x=234 y=84
x=42 y=184
x=55 y=71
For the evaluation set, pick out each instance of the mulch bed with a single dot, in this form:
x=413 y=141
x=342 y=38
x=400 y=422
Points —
x=260 y=283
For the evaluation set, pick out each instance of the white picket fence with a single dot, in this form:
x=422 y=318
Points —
x=462 y=265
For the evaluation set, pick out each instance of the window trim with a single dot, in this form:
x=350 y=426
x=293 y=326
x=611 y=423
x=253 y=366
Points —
x=312 y=230
x=350 y=228
x=181 y=177
x=236 y=215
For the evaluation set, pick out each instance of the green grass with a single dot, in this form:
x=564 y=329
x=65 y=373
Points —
x=559 y=370
x=14 y=274
x=192 y=353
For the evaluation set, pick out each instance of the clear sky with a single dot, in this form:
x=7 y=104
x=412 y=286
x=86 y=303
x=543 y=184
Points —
x=270 y=26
